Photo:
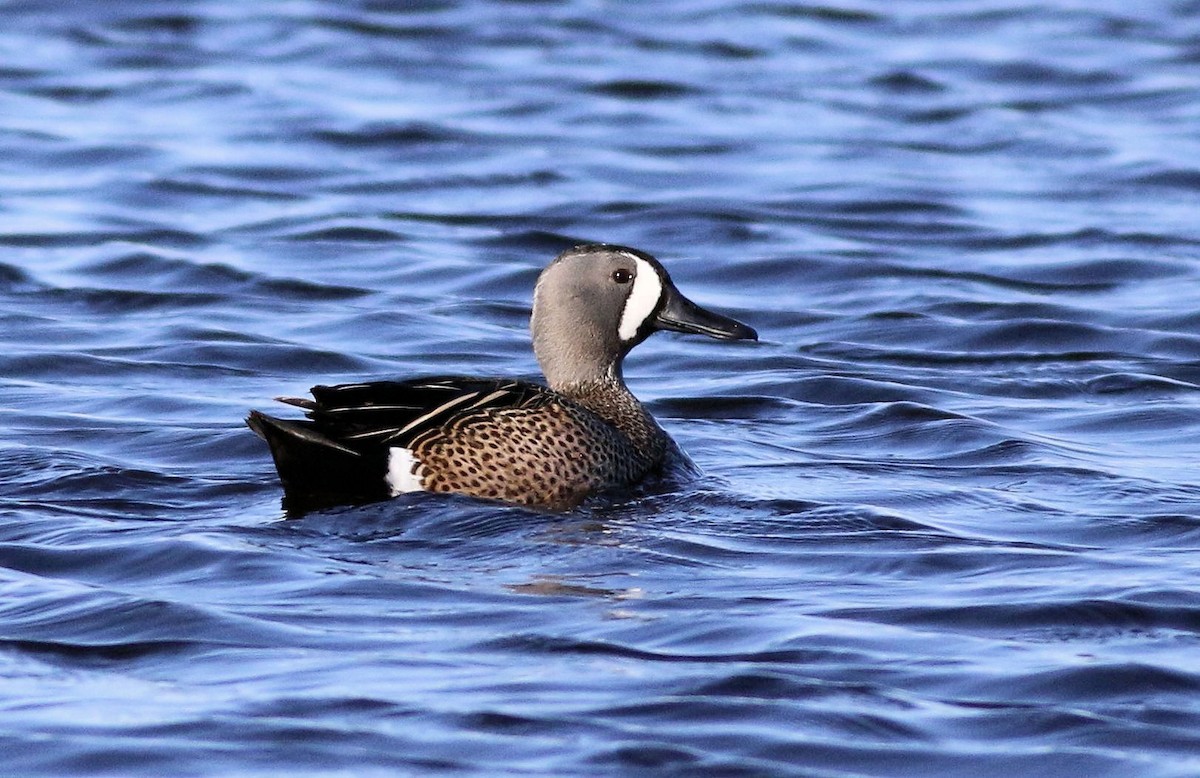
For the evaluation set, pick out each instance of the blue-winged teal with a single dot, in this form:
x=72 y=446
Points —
x=501 y=439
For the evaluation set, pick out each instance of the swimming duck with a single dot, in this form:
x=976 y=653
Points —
x=514 y=441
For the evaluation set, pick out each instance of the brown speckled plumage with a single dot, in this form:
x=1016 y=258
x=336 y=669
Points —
x=552 y=452
x=498 y=439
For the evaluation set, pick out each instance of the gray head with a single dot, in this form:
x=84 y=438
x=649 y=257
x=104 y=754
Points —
x=596 y=302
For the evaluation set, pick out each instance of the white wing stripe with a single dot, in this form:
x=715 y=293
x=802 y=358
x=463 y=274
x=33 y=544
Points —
x=496 y=395
x=446 y=406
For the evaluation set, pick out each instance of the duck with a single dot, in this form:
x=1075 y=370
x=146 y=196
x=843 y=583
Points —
x=548 y=446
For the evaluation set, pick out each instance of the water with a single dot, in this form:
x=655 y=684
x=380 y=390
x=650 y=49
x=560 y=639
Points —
x=950 y=522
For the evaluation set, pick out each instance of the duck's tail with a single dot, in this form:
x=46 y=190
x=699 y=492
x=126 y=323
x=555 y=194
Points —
x=317 y=471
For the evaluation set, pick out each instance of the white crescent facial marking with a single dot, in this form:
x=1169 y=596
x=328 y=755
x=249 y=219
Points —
x=404 y=472
x=642 y=300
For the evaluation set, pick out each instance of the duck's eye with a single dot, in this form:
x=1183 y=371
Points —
x=622 y=276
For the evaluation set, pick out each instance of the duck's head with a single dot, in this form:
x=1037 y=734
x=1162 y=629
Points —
x=595 y=302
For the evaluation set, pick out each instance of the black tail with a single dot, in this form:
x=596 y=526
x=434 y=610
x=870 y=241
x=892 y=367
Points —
x=317 y=471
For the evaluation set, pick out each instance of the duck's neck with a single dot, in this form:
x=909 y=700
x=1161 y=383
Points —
x=612 y=401
x=586 y=367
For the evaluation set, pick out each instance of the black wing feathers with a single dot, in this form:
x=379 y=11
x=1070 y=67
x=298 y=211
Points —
x=393 y=413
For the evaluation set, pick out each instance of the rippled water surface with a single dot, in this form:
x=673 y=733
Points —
x=950 y=517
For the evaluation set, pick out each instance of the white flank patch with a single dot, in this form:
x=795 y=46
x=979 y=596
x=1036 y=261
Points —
x=404 y=471
x=643 y=298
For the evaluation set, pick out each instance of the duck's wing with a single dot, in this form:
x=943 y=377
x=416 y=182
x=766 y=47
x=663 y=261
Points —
x=395 y=413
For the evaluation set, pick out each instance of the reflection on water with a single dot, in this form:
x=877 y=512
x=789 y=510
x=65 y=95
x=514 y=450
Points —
x=949 y=511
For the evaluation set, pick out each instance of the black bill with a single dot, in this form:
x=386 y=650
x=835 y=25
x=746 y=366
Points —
x=680 y=314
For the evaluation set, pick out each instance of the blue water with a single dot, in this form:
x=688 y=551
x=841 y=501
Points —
x=950 y=517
